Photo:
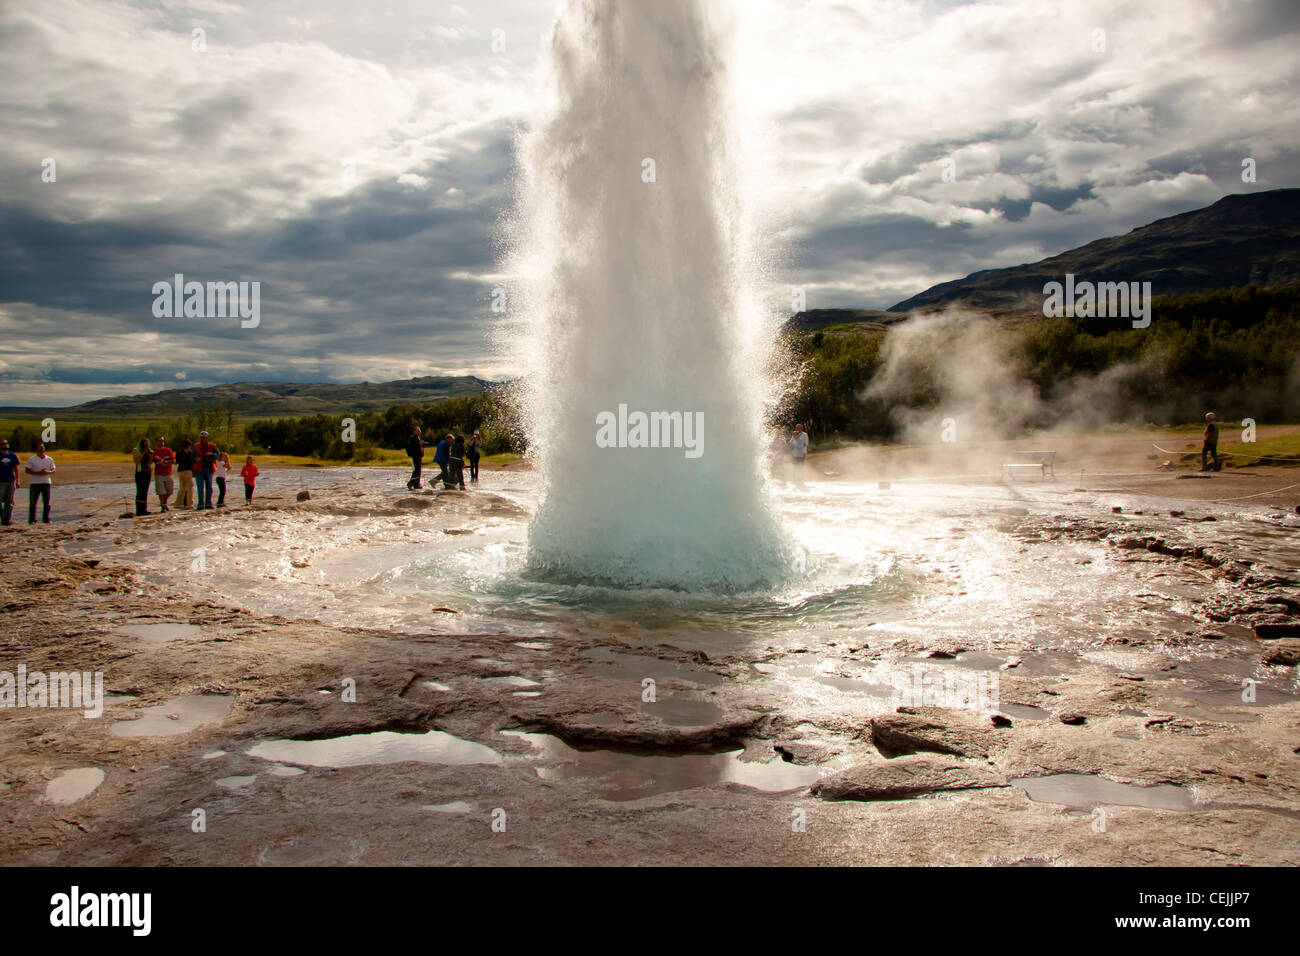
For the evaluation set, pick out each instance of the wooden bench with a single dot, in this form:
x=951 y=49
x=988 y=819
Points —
x=1042 y=460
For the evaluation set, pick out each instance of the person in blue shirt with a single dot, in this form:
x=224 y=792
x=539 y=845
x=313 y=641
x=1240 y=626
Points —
x=440 y=458
x=9 y=465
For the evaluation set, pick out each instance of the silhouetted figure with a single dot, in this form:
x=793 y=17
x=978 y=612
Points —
x=1210 y=446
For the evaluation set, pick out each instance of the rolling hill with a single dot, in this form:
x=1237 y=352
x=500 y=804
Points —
x=1243 y=239
x=266 y=399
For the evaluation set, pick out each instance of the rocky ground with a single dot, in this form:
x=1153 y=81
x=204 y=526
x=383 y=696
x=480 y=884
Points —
x=729 y=765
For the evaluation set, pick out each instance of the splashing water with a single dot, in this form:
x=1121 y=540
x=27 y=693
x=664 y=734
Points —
x=632 y=239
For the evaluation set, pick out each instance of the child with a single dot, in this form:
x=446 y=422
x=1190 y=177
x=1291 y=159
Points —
x=223 y=469
x=249 y=474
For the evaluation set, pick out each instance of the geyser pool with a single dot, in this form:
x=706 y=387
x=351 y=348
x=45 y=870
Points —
x=634 y=248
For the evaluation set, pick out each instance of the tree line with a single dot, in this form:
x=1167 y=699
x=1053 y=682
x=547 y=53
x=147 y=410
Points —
x=326 y=436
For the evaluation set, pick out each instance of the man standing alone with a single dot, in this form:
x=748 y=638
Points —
x=799 y=445
x=9 y=465
x=40 y=466
x=1210 y=446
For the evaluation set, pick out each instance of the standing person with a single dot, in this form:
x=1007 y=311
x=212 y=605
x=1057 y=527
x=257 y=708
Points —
x=1210 y=446
x=456 y=463
x=143 y=457
x=163 y=459
x=440 y=456
x=249 y=474
x=185 y=473
x=473 y=450
x=415 y=449
x=40 y=466
x=799 y=445
x=205 y=466
x=9 y=465
x=223 y=469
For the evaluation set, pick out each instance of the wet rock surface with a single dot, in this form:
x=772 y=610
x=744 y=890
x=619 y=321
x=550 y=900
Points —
x=905 y=777
x=1185 y=701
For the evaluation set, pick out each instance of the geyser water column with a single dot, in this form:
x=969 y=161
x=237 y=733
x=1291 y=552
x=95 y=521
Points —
x=633 y=251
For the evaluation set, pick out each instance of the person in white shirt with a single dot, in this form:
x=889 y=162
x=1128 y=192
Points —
x=799 y=444
x=223 y=472
x=39 y=468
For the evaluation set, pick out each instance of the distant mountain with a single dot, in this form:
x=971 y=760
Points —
x=1244 y=239
x=269 y=399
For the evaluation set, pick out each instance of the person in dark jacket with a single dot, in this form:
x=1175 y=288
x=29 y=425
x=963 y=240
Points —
x=185 y=474
x=1210 y=444
x=456 y=463
x=143 y=475
x=473 y=450
x=415 y=451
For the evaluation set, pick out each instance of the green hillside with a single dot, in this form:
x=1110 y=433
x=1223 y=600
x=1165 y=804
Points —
x=263 y=400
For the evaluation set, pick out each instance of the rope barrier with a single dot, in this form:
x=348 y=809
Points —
x=1260 y=494
x=1226 y=454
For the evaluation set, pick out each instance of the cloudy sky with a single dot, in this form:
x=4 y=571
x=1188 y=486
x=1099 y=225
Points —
x=356 y=159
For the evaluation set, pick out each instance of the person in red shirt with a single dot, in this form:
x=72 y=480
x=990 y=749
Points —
x=163 y=483
x=249 y=474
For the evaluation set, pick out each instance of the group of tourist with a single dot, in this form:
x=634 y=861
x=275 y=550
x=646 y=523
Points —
x=38 y=469
x=449 y=455
x=198 y=467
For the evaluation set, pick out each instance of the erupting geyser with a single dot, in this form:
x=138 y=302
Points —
x=634 y=251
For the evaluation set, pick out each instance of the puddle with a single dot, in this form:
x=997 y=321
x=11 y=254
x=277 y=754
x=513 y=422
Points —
x=178 y=716
x=456 y=806
x=384 y=746
x=625 y=776
x=73 y=785
x=638 y=667
x=159 y=633
x=678 y=711
x=1024 y=711
x=1082 y=790
x=236 y=783
x=511 y=681
x=534 y=645
x=280 y=770
x=527 y=693
x=435 y=685
x=214 y=754
x=851 y=686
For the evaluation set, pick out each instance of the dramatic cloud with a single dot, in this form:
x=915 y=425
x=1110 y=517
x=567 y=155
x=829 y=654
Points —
x=356 y=160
